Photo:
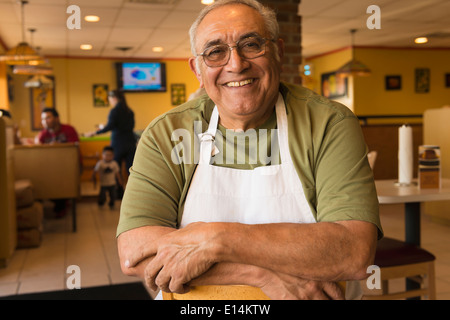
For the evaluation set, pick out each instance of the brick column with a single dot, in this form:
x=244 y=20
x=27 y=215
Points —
x=290 y=32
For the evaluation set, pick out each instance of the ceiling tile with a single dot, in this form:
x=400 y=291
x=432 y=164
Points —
x=190 y=5
x=140 y=18
x=179 y=20
x=83 y=4
x=129 y=35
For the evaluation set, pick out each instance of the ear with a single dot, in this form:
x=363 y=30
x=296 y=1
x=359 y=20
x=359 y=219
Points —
x=280 y=46
x=193 y=66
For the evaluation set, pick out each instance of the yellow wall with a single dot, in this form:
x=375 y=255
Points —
x=74 y=98
x=368 y=95
x=371 y=96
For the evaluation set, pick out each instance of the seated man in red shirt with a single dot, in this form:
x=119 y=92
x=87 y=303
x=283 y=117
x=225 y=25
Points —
x=54 y=130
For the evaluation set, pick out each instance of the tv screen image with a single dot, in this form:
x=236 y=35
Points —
x=142 y=76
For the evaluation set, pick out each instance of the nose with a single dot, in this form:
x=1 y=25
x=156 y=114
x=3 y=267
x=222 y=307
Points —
x=236 y=63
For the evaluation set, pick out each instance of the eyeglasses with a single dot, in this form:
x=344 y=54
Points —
x=248 y=48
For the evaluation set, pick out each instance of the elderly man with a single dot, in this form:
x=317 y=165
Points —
x=293 y=229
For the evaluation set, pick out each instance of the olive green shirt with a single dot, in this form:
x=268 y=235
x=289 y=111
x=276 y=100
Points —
x=325 y=141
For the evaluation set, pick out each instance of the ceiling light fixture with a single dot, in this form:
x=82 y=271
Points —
x=207 y=2
x=39 y=81
x=353 y=67
x=23 y=52
x=92 y=18
x=86 y=47
x=157 y=49
x=32 y=70
x=34 y=67
x=421 y=40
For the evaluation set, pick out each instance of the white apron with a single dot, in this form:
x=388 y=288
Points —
x=267 y=194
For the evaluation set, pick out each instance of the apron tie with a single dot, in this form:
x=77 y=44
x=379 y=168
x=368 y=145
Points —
x=207 y=139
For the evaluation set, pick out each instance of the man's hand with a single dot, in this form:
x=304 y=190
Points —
x=286 y=287
x=181 y=256
x=174 y=266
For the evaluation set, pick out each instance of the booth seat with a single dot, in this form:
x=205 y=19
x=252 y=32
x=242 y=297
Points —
x=53 y=169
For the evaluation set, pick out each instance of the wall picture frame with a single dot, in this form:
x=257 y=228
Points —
x=393 y=82
x=422 y=77
x=100 y=95
x=333 y=85
x=177 y=93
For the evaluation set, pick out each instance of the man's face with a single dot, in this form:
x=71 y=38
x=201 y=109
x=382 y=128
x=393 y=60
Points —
x=49 y=121
x=257 y=79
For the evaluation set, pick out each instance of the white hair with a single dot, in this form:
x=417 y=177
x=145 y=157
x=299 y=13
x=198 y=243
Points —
x=269 y=16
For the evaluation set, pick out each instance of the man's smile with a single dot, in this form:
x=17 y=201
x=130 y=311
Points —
x=239 y=83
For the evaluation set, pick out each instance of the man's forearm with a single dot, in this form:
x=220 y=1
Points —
x=137 y=242
x=227 y=273
x=319 y=251
x=205 y=253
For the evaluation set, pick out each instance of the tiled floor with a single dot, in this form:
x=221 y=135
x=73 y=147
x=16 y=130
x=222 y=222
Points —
x=93 y=249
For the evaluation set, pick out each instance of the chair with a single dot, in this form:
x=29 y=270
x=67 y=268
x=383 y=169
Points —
x=398 y=259
x=54 y=171
x=230 y=292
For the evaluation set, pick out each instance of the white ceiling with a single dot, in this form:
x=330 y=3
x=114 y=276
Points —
x=122 y=24
x=326 y=25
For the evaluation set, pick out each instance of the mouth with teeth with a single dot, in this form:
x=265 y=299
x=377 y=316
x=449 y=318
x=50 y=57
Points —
x=239 y=83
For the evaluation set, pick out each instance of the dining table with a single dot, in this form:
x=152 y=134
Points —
x=391 y=192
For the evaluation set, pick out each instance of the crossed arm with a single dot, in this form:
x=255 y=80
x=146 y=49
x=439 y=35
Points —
x=287 y=261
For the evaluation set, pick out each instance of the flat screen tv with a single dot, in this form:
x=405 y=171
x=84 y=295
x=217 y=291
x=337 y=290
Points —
x=141 y=76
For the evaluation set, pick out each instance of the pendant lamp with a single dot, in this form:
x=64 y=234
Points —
x=23 y=52
x=353 y=67
x=31 y=70
x=39 y=81
x=39 y=66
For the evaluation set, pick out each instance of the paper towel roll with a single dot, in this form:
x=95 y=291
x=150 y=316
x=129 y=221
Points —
x=405 y=155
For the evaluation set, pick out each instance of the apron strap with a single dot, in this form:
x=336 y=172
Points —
x=207 y=138
x=282 y=126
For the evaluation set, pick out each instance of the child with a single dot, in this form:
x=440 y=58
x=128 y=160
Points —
x=108 y=171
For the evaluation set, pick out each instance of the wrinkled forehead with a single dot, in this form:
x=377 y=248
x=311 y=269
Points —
x=228 y=24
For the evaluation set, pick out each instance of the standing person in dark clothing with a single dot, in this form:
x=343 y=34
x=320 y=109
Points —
x=121 y=124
